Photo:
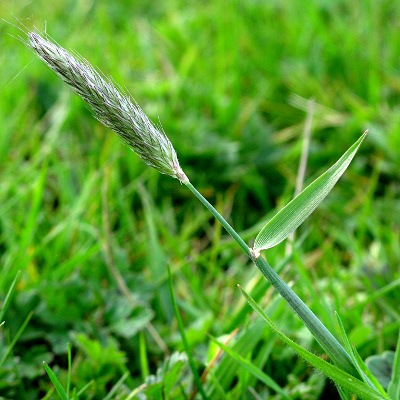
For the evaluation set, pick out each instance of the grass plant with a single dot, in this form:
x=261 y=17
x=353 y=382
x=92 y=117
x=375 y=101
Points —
x=94 y=233
x=118 y=112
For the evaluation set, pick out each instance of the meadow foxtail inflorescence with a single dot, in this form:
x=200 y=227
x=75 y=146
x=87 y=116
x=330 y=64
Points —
x=112 y=107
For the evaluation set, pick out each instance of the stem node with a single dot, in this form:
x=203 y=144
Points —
x=255 y=253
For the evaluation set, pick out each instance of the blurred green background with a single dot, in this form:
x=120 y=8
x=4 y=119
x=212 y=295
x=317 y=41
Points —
x=92 y=229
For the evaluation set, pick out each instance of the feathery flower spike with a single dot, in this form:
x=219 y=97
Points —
x=112 y=107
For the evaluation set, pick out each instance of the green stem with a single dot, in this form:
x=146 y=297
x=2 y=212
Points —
x=219 y=217
x=322 y=335
x=327 y=341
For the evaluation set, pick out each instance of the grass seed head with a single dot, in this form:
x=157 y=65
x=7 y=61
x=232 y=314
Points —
x=113 y=107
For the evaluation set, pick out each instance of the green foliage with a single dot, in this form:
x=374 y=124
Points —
x=256 y=372
x=164 y=384
x=230 y=84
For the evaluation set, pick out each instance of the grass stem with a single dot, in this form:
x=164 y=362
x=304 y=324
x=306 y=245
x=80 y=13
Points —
x=323 y=336
x=219 y=217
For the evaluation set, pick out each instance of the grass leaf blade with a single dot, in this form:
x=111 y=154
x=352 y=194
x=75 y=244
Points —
x=185 y=342
x=289 y=218
x=394 y=385
x=256 y=372
x=9 y=295
x=362 y=369
x=60 y=390
x=16 y=338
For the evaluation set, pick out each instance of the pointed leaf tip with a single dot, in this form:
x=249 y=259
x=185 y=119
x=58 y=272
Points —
x=290 y=217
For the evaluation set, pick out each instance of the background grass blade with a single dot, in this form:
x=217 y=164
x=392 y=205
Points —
x=155 y=256
x=60 y=390
x=69 y=353
x=263 y=377
x=337 y=375
x=8 y=297
x=298 y=210
x=394 y=385
x=185 y=341
x=15 y=339
x=362 y=369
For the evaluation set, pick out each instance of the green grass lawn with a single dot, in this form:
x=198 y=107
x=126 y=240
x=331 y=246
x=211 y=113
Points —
x=94 y=231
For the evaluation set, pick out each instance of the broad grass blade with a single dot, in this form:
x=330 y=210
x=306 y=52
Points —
x=298 y=210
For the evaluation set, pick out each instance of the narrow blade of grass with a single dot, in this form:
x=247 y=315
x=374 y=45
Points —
x=17 y=336
x=155 y=254
x=86 y=387
x=256 y=372
x=394 y=385
x=225 y=372
x=337 y=375
x=289 y=218
x=69 y=367
x=184 y=339
x=112 y=393
x=8 y=298
x=362 y=369
x=60 y=390
x=144 y=361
